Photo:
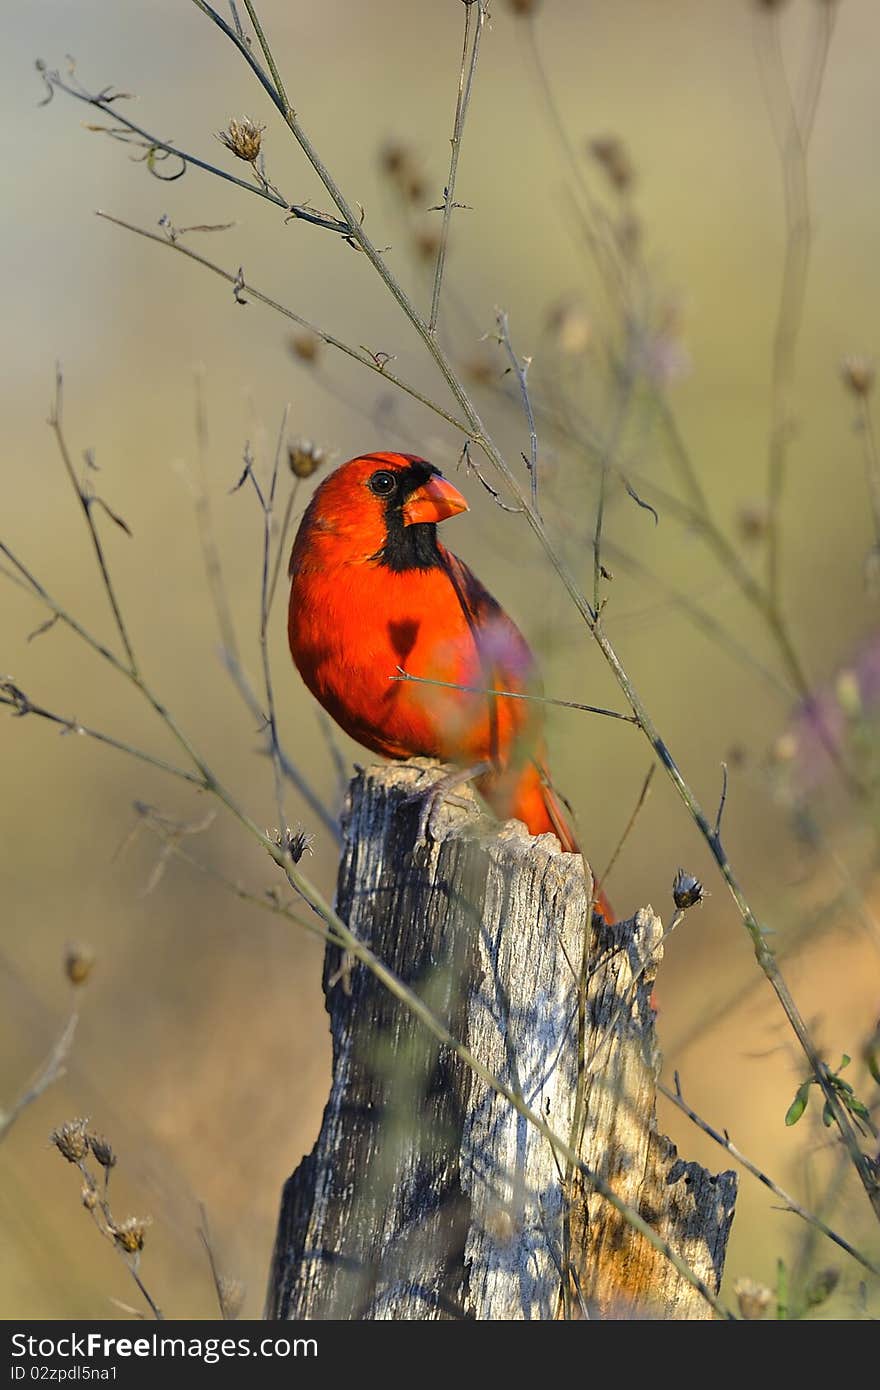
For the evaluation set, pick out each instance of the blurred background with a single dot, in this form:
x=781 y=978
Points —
x=202 y=1048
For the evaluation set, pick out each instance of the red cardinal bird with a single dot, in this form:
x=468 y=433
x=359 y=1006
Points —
x=373 y=590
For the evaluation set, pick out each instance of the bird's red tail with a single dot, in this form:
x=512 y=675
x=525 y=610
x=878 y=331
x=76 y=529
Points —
x=532 y=800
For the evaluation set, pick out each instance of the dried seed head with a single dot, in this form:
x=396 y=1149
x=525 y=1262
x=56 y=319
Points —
x=570 y=325
x=102 y=1151
x=231 y=1294
x=687 y=891
x=821 y=1287
x=612 y=156
x=415 y=186
x=753 y=1299
x=480 y=371
x=305 y=346
x=402 y=165
x=305 y=458
x=294 y=842
x=849 y=694
x=394 y=157
x=243 y=138
x=130 y=1234
x=785 y=749
x=72 y=1140
x=78 y=962
x=89 y=1195
x=427 y=244
x=859 y=375
x=872 y=571
x=752 y=521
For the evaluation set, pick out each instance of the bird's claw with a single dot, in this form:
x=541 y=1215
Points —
x=435 y=798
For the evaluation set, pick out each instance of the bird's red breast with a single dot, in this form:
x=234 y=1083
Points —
x=373 y=592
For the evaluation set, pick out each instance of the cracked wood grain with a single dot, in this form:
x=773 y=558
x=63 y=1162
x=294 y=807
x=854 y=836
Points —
x=426 y=1194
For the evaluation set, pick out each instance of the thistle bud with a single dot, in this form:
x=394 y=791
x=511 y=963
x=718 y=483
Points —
x=859 y=374
x=753 y=1299
x=71 y=1140
x=305 y=346
x=243 y=138
x=305 y=458
x=130 y=1234
x=687 y=891
x=612 y=156
x=78 y=962
x=102 y=1151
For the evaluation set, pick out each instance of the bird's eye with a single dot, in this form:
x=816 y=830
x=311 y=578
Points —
x=383 y=484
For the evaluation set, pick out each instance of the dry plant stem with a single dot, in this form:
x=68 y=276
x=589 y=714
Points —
x=267 y=505
x=872 y=462
x=231 y=657
x=288 y=767
x=23 y=705
x=51 y=1071
x=282 y=541
x=791 y=1203
x=261 y=189
x=521 y=370
x=793 y=132
x=513 y=695
x=628 y=828
x=205 y=1237
x=105 y=1226
x=609 y=453
x=364 y=358
x=345 y=938
x=205 y=523
x=477 y=431
x=602 y=246
x=85 y=503
x=465 y=86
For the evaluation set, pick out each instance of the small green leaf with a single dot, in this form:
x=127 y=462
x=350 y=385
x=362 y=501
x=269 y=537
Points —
x=844 y=1061
x=857 y=1107
x=798 y=1105
x=827 y=1115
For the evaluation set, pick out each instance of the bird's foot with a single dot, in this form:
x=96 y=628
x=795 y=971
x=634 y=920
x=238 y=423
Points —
x=343 y=974
x=442 y=792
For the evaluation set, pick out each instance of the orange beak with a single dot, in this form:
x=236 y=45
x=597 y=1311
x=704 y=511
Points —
x=434 y=501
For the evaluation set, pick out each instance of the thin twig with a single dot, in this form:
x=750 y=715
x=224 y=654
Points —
x=263 y=189
x=793 y=140
x=52 y=1070
x=465 y=86
x=13 y=696
x=366 y=359
x=403 y=675
x=736 y=1154
x=85 y=502
x=628 y=829
x=521 y=371
x=723 y=801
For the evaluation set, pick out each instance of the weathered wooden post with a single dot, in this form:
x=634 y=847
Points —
x=426 y=1194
